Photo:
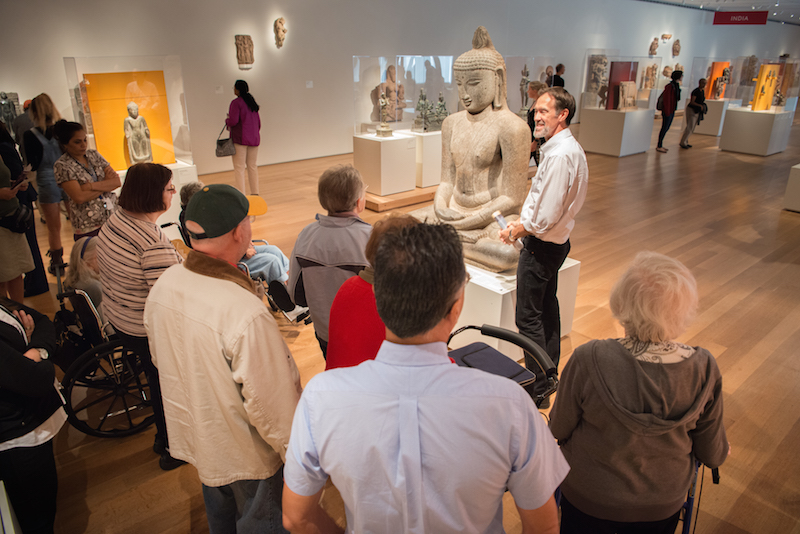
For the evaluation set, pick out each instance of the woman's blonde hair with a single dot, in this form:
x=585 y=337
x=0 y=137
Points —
x=655 y=299
x=83 y=251
x=43 y=112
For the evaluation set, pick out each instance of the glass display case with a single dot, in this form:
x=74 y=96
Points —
x=789 y=78
x=402 y=80
x=743 y=80
x=718 y=73
x=521 y=70
x=133 y=108
x=620 y=82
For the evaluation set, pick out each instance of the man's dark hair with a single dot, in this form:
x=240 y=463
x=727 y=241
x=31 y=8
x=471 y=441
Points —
x=419 y=271
x=563 y=99
x=143 y=189
x=559 y=67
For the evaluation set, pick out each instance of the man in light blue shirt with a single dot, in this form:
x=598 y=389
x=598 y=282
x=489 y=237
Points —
x=413 y=442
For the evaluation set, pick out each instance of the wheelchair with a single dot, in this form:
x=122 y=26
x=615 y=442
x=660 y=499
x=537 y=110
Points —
x=104 y=386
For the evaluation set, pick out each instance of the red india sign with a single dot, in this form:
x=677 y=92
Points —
x=740 y=17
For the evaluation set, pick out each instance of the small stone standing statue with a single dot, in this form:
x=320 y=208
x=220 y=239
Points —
x=523 y=92
x=138 y=135
x=424 y=112
x=383 y=130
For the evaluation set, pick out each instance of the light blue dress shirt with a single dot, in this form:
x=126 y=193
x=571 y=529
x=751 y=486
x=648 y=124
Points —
x=415 y=443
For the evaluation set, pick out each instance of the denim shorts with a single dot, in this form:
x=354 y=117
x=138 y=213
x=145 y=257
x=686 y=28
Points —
x=49 y=192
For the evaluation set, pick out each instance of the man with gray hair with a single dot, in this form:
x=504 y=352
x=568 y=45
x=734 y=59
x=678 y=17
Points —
x=548 y=216
x=412 y=442
x=229 y=383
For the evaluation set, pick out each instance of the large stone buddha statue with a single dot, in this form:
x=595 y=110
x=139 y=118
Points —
x=485 y=153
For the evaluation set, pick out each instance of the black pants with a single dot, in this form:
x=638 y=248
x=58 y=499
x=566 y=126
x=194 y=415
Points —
x=30 y=478
x=573 y=521
x=537 y=314
x=666 y=122
x=140 y=346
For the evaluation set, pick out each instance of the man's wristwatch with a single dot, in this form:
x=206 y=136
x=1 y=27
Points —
x=43 y=354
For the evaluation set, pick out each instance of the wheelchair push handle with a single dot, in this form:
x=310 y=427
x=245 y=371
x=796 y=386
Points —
x=536 y=352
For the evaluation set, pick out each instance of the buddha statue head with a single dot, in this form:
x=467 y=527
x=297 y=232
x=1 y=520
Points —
x=480 y=75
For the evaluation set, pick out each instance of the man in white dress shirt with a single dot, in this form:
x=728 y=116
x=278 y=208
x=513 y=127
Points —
x=548 y=216
x=413 y=442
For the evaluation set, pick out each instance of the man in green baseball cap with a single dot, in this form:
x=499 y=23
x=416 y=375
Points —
x=229 y=382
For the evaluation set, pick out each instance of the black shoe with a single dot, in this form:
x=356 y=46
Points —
x=545 y=404
x=688 y=145
x=685 y=146
x=57 y=264
x=159 y=446
x=168 y=463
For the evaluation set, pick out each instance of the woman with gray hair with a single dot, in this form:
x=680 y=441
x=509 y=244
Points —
x=633 y=414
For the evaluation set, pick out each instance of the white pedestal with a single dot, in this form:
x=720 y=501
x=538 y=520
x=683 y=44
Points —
x=491 y=298
x=713 y=120
x=429 y=158
x=387 y=164
x=791 y=199
x=756 y=132
x=616 y=133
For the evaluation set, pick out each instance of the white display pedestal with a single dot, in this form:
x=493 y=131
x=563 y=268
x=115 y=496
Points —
x=182 y=174
x=616 y=133
x=761 y=133
x=387 y=164
x=791 y=199
x=491 y=298
x=713 y=120
x=429 y=158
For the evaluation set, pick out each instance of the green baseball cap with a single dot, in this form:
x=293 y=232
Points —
x=218 y=208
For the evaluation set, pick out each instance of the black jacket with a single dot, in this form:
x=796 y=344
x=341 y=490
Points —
x=27 y=393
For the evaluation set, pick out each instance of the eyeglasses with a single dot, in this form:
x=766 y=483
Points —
x=170 y=189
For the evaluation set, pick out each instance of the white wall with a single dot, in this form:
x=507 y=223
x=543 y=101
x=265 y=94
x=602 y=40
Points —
x=323 y=36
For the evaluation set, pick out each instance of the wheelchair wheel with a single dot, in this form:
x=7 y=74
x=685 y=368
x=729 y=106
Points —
x=107 y=392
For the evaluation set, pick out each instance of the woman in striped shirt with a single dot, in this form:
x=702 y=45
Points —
x=132 y=252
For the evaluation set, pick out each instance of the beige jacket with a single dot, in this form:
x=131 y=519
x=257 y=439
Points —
x=229 y=383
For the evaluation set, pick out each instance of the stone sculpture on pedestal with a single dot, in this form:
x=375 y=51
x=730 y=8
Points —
x=279 y=27
x=244 y=51
x=650 y=77
x=383 y=130
x=720 y=83
x=424 y=113
x=138 y=135
x=485 y=151
x=394 y=93
x=523 y=91
x=627 y=95
x=748 y=71
x=653 y=47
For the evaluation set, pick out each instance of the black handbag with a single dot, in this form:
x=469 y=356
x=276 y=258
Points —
x=19 y=221
x=225 y=146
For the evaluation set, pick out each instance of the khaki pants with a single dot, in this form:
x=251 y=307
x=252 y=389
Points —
x=691 y=121
x=246 y=156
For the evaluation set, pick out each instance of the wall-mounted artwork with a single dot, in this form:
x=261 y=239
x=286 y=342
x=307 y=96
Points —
x=244 y=51
x=279 y=27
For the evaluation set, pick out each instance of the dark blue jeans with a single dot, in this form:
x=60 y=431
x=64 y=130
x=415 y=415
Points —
x=666 y=122
x=31 y=480
x=245 y=506
x=537 y=315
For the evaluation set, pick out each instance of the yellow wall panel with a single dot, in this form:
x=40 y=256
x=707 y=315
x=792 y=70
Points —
x=109 y=95
x=766 y=83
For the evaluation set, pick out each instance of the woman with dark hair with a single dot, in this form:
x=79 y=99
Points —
x=244 y=123
x=87 y=178
x=669 y=103
x=132 y=252
x=42 y=151
x=31 y=414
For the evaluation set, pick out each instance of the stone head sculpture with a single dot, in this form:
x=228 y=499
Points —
x=133 y=110
x=279 y=27
x=480 y=75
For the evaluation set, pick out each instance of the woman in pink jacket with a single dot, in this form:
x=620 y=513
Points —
x=244 y=123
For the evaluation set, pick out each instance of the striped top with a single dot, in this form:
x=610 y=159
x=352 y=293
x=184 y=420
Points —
x=131 y=254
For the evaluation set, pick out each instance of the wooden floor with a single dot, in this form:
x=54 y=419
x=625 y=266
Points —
x=718 y=212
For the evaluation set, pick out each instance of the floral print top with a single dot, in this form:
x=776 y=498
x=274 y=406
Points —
x=90 y=215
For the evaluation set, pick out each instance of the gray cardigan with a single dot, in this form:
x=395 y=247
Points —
x=631 y=430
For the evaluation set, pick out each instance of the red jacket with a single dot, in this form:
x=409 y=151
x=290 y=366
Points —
x=669 y=99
